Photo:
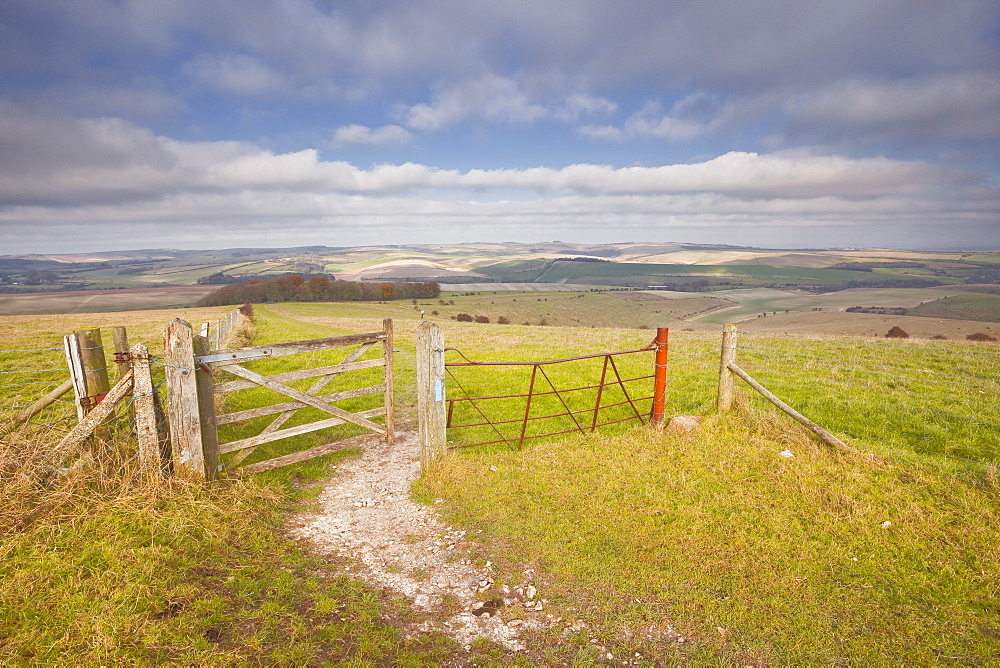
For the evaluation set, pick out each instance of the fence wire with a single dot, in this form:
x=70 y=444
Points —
x=932 y=403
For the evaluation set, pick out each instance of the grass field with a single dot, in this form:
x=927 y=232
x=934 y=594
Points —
x=704 y=548
x=985 y=308
x=634 y=273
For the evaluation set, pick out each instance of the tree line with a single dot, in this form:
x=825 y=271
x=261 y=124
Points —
x=316 y=289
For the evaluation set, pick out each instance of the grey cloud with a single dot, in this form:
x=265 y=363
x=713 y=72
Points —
x=235 y=73
x=962 y=107
x=363 y=135
x=61 y=160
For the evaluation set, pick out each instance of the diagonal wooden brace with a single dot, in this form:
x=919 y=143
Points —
x=264 y=381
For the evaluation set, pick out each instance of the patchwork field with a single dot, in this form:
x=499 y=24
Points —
x=754 y=302
x=100 y=301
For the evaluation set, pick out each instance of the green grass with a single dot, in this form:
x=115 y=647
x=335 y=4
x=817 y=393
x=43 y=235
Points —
x=922 y=401
x=983 y=307
x=635 y=273
x=752 y=558
x=100 y=567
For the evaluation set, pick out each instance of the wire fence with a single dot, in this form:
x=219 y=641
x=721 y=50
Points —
x=27 y=374
x=934 y=403
x=937 y=402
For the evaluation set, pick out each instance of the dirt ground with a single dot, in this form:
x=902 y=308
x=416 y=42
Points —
x=866 y=324
x=101 y=301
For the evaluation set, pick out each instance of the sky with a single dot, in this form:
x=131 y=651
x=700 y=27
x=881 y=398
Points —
x=217 y=124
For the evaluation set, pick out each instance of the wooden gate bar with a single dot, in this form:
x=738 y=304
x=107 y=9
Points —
x=288 y=409
x=251 y=413
x=238 y=355
x=305 y=398
x=259 y=439
x=234 y=385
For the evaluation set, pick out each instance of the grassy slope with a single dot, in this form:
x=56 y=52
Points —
x=101 y=568
x=593 y=272
x=985 y=308
x=750 y=557
x=636 y=533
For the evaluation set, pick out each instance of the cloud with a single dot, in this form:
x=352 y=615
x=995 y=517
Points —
x=55 y=159
x=491 y=97
x=362 y=135
x=235 y=73
x=925 y=109
x=690 y=117
x=578 y=105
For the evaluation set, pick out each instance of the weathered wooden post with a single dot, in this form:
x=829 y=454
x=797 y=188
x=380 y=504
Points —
x=74 y=360
x=120 y=337
x=660 y=376
x=182 y=395
x=431 y=413
x=389 y=400
x=726 y=380
x=95 y=365
x=206 y=410
x=144 y=405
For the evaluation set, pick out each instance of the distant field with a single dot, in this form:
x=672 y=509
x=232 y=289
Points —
x=634 y=273
x=100 y=301
x=754 y=302
x=962 y=307
x=866 y=324
x=557 y=309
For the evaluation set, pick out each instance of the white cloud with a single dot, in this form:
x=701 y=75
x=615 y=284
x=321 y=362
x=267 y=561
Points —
x=578 y=105
x=689 y=118
x=490 y=97
x=363 y=135
x=236 y=73
x=76 y=161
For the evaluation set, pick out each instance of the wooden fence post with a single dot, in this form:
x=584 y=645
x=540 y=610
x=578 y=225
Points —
x=206 y=410
x=95 y=365
x=144 y=406
x=660 y=377
x=431 y=413
x=726 y=380
x=390 y=385
x=120 y=337
x=74 y=360
x=182 y=395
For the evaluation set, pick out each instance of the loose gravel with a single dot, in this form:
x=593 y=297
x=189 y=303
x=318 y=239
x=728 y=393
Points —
x=366 y=517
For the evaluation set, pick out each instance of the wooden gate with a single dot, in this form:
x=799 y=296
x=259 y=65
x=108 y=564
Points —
x=290 y=399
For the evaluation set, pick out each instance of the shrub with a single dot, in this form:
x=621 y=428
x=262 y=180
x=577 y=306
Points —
x=940 y=337
x=482 y=319
x=980 y=336
x=897 y=333
x=464 y=317
x=503 y=320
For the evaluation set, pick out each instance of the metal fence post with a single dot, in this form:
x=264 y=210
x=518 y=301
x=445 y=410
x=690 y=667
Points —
x=660 y=376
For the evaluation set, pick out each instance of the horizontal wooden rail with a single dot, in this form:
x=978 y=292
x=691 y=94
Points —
x=296 y=405
x=239 y=355
x=295 y=431
x=234 y=385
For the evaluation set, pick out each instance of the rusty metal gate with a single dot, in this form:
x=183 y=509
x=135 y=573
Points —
x=610 y=398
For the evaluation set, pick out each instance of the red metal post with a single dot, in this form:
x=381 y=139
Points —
x=660 y=376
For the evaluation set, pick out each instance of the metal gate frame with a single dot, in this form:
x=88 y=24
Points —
x=659 y=345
